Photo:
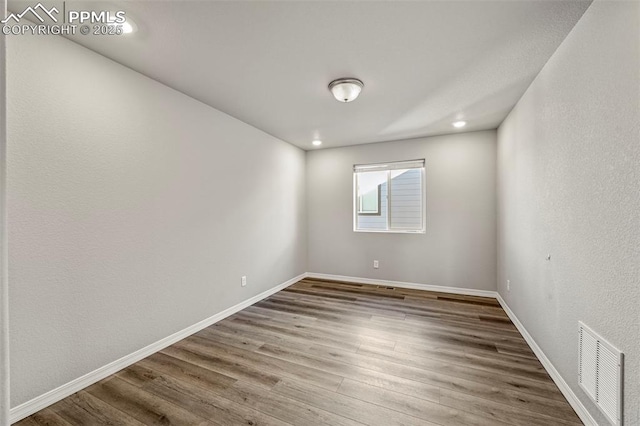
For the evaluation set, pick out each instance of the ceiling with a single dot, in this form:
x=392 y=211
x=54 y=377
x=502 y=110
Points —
x=268 y=63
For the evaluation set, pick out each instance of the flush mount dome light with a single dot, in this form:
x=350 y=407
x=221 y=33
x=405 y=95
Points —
x=459 y=124
x=346 y=89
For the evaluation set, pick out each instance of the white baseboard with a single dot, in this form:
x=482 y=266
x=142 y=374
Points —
x=26 y=409
x=415 y=286
x=576 y=404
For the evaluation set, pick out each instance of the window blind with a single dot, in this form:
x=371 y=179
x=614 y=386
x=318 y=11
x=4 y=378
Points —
x=395 y=165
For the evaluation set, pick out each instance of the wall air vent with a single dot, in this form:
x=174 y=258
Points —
x=600 y=372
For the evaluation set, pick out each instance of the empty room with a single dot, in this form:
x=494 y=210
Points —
x=320 y=213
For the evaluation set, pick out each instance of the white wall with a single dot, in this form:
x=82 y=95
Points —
x=569 y=179
x=459 y=246
x=133 y=212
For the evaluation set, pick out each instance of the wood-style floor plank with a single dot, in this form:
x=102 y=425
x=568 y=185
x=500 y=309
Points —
x=326 y=352
x=270 y=365
x=425 y=410
x=185 y=352
x=369 y=370
x=45 y=417
x=144 y=406
x=328 y=337
x=287 y=409
x=353 y=408
x=83 y=409
x=534 y=416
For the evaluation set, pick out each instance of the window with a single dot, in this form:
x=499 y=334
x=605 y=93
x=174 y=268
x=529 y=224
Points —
x=389 y=197
x=369 y=200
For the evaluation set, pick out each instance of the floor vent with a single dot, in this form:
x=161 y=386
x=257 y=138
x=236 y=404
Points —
x=600 y=372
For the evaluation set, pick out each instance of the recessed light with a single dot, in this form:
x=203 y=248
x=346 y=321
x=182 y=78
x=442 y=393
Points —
x=127 y=28
x=317 y=142
x=459 y=124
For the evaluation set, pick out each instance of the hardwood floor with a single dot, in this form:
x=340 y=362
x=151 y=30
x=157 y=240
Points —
x=330 y=353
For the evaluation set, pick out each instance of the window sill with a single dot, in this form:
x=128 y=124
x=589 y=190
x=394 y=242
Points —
x=393 y=231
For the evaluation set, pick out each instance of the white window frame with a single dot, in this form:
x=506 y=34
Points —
x=389 y=166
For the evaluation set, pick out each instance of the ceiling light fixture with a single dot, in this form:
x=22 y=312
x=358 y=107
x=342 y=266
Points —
x=127 y=28
x=346 y=89
x=317 y=142
x=459 y=124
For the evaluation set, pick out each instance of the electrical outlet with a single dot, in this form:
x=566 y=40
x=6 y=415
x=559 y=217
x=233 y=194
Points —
x=508 y=285
x=243 y=281
x=375 y=264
